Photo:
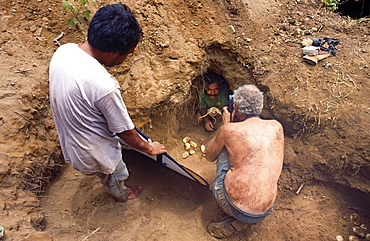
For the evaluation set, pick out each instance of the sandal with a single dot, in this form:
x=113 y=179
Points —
x=2 y=230
x=222 y=229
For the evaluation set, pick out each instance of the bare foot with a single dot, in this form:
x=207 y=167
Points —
x=134 y=192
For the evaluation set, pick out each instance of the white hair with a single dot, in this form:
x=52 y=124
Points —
x=248 y=100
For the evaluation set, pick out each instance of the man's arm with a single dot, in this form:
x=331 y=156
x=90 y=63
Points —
x=132 y=138
x=115 y=112
x=203 y=111
x=215 y=146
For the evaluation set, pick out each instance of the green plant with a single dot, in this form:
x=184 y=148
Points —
x=332 y=4
x=77 y=13
x=360 y=20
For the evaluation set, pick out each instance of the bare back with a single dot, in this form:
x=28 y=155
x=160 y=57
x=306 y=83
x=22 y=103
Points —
x=256 y=152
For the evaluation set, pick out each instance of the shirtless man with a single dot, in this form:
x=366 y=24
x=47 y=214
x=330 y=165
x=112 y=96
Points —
x=249 y=153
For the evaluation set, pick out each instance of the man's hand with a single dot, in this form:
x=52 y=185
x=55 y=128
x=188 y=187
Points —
x=226 y=115
x=157 y=148
x=208 y=124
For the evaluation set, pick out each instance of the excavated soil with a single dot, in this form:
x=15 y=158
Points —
x=324 y=110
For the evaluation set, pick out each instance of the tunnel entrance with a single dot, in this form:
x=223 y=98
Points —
x=201 y=83
x=355 y=9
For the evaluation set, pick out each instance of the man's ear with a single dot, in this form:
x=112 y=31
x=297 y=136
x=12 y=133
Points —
x=234 y=114
x=114 y=54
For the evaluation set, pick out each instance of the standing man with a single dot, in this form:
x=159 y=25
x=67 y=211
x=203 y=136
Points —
x=88 y=110
x=213 y=95
x=249 y=153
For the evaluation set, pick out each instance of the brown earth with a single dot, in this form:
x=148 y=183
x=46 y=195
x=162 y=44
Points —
x=324 y=110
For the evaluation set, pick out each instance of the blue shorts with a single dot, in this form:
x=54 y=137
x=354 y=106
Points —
x=219 y=192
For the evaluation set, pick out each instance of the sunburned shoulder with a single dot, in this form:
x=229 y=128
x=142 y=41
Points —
x=274 y=126
x=228 y=126
x=275 y=123
x=262 y=122
x=272 y=121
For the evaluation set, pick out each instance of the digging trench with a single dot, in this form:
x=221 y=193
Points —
x=225 y=63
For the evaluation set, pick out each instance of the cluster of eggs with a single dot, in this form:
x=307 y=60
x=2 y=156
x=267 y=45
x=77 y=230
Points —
x=190 y=146
x=359 y=230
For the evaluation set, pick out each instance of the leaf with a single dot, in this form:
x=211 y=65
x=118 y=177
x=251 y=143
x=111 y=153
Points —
x=84 y=1
x=86 y=14
x=72 y=22
x=73 y=8
x=65 y=5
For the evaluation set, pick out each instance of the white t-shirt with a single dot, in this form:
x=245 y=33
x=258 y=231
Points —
x=88 y=110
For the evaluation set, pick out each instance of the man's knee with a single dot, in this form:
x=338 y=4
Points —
x=121 y=172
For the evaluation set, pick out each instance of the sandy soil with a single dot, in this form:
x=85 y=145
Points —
x=324 y=110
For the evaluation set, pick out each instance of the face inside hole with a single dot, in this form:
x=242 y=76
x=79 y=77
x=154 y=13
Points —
x=212 y=90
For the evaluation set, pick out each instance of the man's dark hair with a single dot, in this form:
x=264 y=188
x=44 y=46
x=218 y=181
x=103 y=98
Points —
x=114 y=28
x=211 y=77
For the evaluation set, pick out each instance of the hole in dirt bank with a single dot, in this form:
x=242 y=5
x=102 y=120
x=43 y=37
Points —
x=234 y=72
x=227 y=64
x=200 y=82
x=220 y=63
x=354 y=8
x=358 y=201
x=228 y=68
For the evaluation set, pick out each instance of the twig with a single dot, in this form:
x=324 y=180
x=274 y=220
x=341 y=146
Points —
x=358 y=169
x=27 y=119
x=22 y=71
x=359 y=56
x=56 y=40
x=32 y=185
x=88 y=236
x=299 y=189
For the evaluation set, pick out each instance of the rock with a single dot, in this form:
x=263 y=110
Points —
x=364 y=226
x=185 y=155
x=355 y=219
x=186 y=139
x=193 y=144
x=203 y=149
x=359 y=232
x=187 y=146
x=33 y=28
x=353 y=238
x=339 y=238
x=367 y=236
x=9 y=51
